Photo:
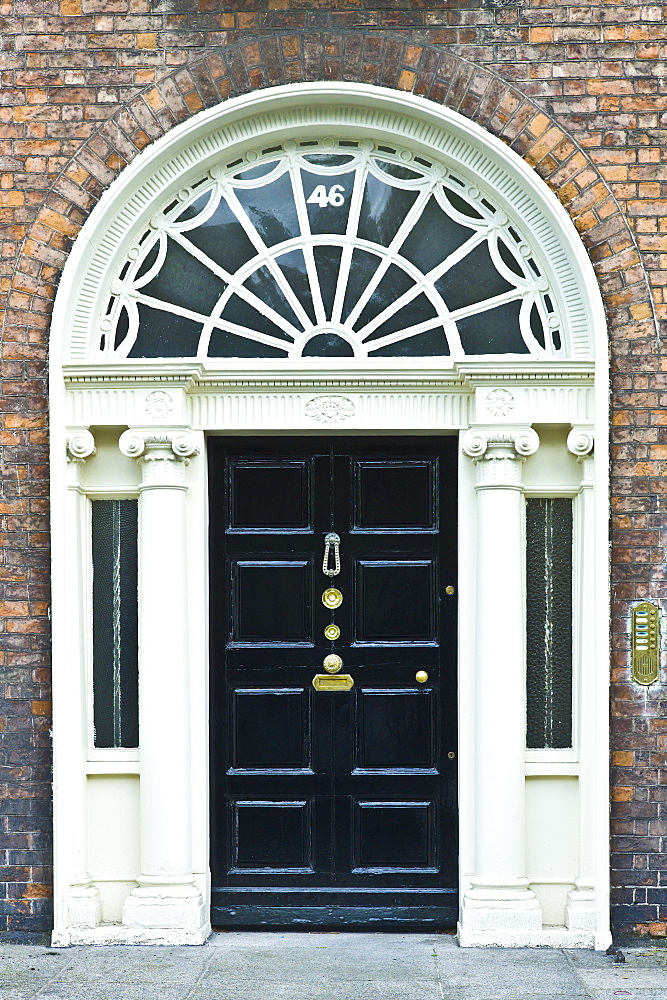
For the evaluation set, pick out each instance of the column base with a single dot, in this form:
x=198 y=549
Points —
x=84 y=906
x=581 y=909
x=167 y=908
x=493 y=909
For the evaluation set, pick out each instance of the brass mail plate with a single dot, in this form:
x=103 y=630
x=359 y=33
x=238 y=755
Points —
x=645 y=643
x=332 y=682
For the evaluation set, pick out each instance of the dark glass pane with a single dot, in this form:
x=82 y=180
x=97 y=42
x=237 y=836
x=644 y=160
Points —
x=549 y=623
x=398 y=170
x=115 y=636
x=494 y=331
x=433 y=238
x=327 y=263
x=164 y=335
x=432 y=344
x=383 y=210
x=241 y=313
x=394 y=283
x=122 y=327
x=327 y=345
x=223 y=239
x=473 y=279
x=416 y=311
x=536 y=327
x=327 y=200
x=263 y=284
x=293 y=266
x=362 y=268
x=461 y=205
x=272 y=210
x=228 y=345
x=183 y=281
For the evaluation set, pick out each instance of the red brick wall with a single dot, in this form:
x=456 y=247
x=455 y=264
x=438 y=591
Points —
x=575 y=90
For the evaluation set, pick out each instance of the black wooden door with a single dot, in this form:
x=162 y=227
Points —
x=333 y=808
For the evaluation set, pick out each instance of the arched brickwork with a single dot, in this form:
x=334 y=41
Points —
x=369 y=56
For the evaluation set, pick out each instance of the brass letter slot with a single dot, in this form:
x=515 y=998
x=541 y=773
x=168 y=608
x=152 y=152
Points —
x=645 y=643
x=332 y=682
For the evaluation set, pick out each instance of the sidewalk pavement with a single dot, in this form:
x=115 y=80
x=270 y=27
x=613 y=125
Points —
x=328 y=966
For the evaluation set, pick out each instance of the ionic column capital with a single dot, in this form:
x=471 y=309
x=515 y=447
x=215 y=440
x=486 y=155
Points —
x=80 y=444
x=499 y=452
x=581 y=441
x=162 y=454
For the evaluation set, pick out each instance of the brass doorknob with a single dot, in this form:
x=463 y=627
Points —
x=421 y=677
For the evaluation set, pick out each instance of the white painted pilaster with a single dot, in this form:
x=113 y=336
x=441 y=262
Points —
x=82 y=898
x=499 y=907
x=581 y=907
x=167 y=903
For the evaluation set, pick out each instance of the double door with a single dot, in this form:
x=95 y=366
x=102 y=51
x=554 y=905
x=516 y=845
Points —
x=333 y=704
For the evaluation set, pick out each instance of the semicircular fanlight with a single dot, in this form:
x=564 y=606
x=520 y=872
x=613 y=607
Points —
x=337 y=249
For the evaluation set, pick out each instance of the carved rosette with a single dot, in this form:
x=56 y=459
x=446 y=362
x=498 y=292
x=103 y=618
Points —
x=499 y=454
x=163 y=455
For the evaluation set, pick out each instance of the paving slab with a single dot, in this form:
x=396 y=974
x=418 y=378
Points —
x=328 y=966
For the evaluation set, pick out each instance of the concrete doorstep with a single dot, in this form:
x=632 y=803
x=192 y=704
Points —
x=328 y=966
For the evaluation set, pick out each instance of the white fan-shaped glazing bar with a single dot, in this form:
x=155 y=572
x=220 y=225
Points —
x=488 y=224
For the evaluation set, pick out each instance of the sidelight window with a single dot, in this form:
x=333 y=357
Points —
x=338 y=248
x=115 y=619
x=549 y=623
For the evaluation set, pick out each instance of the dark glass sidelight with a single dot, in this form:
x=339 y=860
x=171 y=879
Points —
x=549 y=623
x=115 y=621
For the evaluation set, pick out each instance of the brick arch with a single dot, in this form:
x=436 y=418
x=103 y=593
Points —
x=371 y=57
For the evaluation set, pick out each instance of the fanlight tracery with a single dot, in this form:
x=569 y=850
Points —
x=339 y=248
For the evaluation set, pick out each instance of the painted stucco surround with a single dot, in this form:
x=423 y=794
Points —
x=169 y=407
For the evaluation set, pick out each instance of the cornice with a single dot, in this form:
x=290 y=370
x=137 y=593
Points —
x=199 y=377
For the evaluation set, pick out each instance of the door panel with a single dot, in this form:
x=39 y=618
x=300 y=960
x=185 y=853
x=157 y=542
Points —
x=333 y=808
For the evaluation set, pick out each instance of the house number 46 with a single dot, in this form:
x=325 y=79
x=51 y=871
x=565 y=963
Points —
x=334 y=196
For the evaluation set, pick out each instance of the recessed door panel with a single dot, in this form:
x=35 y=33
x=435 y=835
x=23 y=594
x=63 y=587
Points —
x=395 y=600
x=269 y=495
x=271 y=836
x=333 y=808
x=393 y=496
x=270 y=729
x=393 y=836
x=396 y=729
x=272 y=601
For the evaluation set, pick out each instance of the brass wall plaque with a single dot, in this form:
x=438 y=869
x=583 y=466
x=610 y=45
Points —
x=645 y=643
x=332 y=598
x=332 y=682
x=332 y=663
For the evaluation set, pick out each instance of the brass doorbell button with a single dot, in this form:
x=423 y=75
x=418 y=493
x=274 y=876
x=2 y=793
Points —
x=332 y=598
x=332 y=632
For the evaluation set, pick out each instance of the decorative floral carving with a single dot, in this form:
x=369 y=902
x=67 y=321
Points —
x=330 y=409
x=159 y=404
x=500 y=402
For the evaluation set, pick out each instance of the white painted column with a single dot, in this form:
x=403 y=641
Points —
x=82 y=904
x=499 y=907
x=166 y=905
x=581 y=907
